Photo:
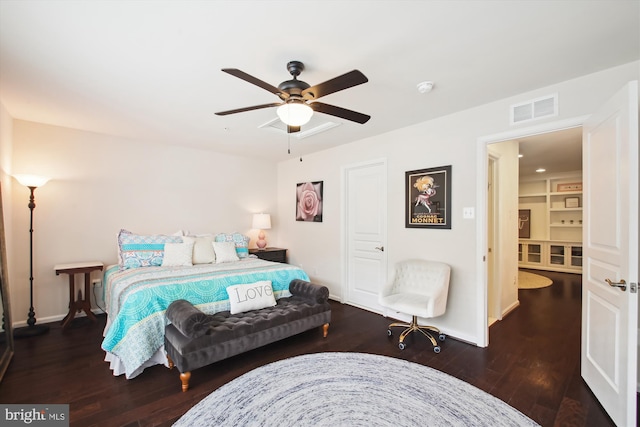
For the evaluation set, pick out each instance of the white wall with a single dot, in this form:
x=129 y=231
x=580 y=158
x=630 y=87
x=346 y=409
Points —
x=101 y=184
x=506 y=231
x=450 y=140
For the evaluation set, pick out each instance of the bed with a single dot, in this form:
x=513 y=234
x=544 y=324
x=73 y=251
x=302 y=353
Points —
x=136 y=300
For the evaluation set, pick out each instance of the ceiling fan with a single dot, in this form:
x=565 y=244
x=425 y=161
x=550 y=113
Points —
x=299 y=98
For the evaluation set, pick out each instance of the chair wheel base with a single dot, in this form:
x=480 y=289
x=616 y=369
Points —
x=427 y=331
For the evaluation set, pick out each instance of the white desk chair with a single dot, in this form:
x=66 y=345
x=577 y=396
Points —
x=420 y=288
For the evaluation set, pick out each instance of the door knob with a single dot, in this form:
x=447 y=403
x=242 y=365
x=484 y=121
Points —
x=621 y=284
x=380 y=248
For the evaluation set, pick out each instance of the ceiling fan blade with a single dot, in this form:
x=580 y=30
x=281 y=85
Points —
x=345 y=81
x=293 y=129
x=241 y=110
x=253 y=80
x=343 y=113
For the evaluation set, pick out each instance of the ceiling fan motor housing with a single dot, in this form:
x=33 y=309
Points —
x=294 y=86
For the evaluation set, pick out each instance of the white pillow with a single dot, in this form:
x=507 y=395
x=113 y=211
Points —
x=251 y=296
x=177 y=254
x=225 y=252
x=202 y=250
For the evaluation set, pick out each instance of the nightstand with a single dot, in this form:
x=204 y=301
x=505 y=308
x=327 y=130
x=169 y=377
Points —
x=270 y=254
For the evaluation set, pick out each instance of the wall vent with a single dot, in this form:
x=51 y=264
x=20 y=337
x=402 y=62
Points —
x=546 y=106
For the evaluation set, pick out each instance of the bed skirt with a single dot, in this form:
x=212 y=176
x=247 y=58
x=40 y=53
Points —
x=118 y=368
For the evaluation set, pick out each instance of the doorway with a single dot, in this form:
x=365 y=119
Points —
x=552 y=238
x=484 y=144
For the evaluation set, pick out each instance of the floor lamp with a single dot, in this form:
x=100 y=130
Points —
x=32 y=182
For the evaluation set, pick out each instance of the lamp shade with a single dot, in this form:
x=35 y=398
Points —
x=32 y=180
x=261 y=221
x=295 y=113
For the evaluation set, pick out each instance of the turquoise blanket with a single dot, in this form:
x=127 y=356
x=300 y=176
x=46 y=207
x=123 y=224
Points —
x=136 y=300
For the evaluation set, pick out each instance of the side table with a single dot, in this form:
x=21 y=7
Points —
x=82 y=303
x=270 y=254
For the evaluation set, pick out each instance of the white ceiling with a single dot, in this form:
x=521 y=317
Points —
x=556 y=152
x=150 y=70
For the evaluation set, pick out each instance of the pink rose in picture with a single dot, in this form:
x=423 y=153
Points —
x=309 y=201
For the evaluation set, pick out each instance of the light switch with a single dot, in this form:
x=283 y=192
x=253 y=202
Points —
x=468 y=213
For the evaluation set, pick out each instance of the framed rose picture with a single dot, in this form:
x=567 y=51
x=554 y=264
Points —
x=428 y=198
x=309 y=201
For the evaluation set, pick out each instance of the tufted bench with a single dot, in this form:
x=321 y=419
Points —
x=194 y=339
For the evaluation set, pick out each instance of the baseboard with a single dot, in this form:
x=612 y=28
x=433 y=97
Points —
x=509 y=309
x=57 y=318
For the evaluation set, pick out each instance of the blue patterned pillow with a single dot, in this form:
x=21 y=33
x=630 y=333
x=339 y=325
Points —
x=136 y=251
x=241 y=241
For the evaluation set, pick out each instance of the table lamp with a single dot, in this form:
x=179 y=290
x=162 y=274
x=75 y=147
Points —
x=261 y=222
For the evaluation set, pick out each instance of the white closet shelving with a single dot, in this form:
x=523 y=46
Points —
x=555 y=222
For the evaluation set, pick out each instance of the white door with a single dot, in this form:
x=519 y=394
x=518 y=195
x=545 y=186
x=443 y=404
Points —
x=610 y=239
x=365 y=226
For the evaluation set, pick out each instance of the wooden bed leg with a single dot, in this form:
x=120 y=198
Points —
x=325 y=330
x=185 y=377
x=171 y=365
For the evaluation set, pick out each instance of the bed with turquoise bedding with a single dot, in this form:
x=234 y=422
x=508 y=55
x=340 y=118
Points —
x=136 y=300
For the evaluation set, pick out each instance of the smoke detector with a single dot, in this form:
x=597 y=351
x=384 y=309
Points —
x=425 y=87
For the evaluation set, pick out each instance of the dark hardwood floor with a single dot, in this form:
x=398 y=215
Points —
x=532 y=363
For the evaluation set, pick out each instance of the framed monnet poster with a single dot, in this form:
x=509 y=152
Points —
x=428 y=198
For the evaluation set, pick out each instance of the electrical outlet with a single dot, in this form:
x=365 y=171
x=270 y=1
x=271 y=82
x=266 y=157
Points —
x=96 y=283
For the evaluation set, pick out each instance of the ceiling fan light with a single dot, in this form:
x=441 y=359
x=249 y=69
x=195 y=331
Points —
x=295 y=113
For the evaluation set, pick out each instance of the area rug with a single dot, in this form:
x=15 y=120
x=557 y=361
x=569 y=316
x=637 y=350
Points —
x=528 y=280
x=350 y=389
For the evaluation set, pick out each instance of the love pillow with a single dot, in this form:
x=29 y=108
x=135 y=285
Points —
x=251 y=296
